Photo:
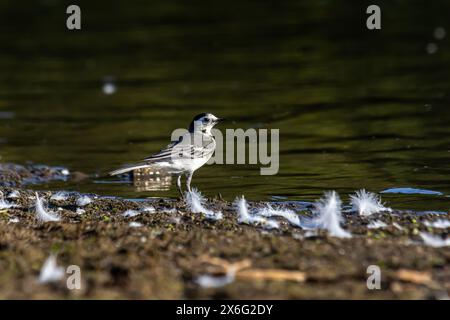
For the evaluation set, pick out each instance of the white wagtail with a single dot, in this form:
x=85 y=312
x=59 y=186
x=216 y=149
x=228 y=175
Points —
x=191 y=151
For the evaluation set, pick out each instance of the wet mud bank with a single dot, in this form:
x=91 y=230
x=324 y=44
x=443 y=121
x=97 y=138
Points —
x=13 y=175
x=160 y=249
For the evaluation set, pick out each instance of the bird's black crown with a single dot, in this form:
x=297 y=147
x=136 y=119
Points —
x=196 y=118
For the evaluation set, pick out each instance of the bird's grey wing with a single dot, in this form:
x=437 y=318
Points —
x=181 y=148
x=188 y=146
x=164 y=154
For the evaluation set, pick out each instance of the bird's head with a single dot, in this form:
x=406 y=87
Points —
x=203 y=122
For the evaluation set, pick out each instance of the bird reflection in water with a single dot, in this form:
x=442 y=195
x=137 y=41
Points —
x=151 y=180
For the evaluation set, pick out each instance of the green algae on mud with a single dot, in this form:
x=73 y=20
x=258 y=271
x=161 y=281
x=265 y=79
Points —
x=161 y=259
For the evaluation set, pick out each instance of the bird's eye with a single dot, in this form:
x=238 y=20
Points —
x=205 y=120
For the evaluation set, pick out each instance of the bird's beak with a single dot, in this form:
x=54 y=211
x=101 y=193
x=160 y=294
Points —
x=220 y=120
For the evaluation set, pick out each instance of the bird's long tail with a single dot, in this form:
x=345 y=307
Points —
x=129 y=168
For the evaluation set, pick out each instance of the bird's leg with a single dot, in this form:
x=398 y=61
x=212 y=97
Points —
x=188 y=180
x=179 y=186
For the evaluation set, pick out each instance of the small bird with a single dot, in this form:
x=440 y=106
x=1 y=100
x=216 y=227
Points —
x=190 y=152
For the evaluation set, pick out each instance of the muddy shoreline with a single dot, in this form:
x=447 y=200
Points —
x=161 y=250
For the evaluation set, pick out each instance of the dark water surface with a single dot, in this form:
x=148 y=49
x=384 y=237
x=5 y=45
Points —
x=355 y=108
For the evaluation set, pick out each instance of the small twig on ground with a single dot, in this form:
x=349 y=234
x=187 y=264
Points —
x=412 y=276
x=242 y=270
x=272 y=274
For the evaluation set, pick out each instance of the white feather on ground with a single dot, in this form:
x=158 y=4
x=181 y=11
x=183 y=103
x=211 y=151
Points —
x=59 y=196
x=329 y=216
x=14 y=194
x=50 y=271
x=367 y=203
x=83 y=201
x=377 y=224
x=149 y=209
x=434 y=241
x=288 y=214
x=207 y=281
x=5 y=204
x=195 y=202
x=245 y=217
x=439 y=224
x=131 y=213
x=14 y=220
x=42 y=214
x=134 y=224
x=171 y=210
